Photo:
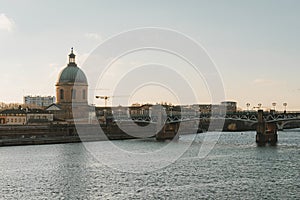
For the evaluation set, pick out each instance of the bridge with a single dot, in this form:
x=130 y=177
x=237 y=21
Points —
x=249 y=118
x=281 y=119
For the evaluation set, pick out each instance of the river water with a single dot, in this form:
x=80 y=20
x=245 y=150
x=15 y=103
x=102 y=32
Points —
x=235 y=168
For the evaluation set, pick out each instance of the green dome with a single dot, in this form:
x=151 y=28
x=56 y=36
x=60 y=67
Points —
x=72 y=74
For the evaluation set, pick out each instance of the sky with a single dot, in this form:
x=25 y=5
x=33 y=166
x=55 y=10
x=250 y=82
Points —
x=254 y=44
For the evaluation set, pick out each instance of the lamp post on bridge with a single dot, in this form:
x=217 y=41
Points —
x=259 y=106
x=274 y=105
x=285 y=105
x=248 y=105
x=119 y=111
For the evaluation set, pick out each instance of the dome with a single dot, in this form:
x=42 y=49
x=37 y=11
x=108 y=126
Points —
x=72 y=74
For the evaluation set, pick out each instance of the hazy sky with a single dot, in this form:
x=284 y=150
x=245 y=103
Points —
x=255 y=44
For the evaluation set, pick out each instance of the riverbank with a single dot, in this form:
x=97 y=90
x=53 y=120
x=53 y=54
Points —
x=70 y=133
x=57 y=133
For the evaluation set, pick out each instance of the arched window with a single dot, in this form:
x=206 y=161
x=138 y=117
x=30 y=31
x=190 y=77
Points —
x=83 y=94
x=73 y=93
x=61 y=94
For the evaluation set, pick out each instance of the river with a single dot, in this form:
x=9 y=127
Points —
x=235 y=168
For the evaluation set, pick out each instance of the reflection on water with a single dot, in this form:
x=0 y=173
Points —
x=235 y=168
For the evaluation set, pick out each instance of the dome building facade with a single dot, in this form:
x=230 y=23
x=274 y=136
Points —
x=72 y=85
x=71 y=88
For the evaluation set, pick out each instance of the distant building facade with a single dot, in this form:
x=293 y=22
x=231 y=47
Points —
x=228 y=106
x=38 y=116
x=231 y=106
x=13 y=117
x=41 y=101
x=25 y=116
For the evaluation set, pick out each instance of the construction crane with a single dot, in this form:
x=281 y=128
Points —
x=106 y=98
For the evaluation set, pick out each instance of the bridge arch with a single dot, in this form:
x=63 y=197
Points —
x=282 y=123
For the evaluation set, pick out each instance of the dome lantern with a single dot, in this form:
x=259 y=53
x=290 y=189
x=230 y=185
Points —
x=72 y=58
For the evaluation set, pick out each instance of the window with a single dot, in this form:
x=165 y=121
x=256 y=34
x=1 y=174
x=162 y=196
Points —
x=83 y=94
x=61 y=94
x=73 y=93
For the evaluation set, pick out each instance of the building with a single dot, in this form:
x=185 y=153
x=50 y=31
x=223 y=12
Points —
x=228 y=106
x=58 y=113
x=231 y=106
x=205 y=108
x=13 y=117
x=140 y=110
x=41 y=101
x=72 y=91
x=25 y=116
x=38 y=116
x=71 y=98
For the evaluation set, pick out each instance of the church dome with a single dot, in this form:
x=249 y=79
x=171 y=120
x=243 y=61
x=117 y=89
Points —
x=72 y=73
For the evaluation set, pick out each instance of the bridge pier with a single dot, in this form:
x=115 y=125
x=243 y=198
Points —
x=164 y=130
x=265 y=133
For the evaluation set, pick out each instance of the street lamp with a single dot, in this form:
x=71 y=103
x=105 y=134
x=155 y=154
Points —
x=248 y=105
x=274 y=105
x=119 y=113
x=285 y=105
x=171 y=109
x=259 y=105
x=150 y=112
